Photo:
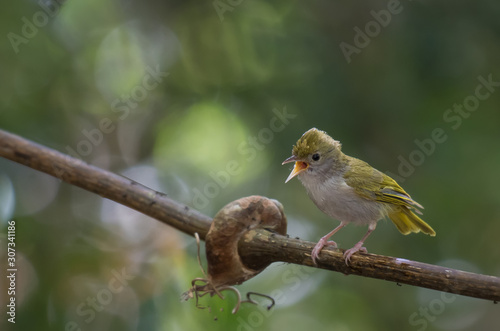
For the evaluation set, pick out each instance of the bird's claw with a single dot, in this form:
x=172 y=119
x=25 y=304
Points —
x=319 y=246
x=331 y=243
x=348 y=253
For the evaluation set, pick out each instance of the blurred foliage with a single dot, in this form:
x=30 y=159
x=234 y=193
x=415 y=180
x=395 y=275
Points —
x=203 y=101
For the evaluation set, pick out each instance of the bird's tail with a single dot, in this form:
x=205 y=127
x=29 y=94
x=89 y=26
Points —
x=406 y=221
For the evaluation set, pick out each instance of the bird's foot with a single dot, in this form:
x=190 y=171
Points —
x=319 y=246
x=357 y=248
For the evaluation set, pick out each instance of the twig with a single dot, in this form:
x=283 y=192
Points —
x=257 y=245
x=104 y=183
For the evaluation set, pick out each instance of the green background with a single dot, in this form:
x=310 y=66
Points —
x=78 y=78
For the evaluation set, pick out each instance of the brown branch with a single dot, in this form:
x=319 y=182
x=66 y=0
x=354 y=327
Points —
x=104 y=183
x=257 y=246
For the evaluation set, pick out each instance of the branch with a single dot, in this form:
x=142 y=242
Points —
x=104 y=183
x=257 y=246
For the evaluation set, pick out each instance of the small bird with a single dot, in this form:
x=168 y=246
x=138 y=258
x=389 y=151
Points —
x=350 y=190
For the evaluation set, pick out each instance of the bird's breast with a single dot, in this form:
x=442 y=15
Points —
x=338 y=200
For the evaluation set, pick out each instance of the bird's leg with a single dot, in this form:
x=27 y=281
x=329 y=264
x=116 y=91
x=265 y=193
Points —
x=324 y=242
x=359 y=246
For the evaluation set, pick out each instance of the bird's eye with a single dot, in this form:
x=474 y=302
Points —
x=315 y=157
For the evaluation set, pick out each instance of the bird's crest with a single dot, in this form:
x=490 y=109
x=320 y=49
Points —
x=312 y=141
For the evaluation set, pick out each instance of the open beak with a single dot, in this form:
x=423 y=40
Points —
x=297 y=169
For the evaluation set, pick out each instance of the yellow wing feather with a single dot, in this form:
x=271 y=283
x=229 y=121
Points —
x=374 y=185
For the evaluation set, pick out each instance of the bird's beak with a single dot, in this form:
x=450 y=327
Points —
x=297 y=169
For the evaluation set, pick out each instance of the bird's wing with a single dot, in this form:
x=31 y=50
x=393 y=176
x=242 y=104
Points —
x=372 y=184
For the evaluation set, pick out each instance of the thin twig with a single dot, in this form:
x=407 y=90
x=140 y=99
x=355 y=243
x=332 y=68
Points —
x=104 y=183
x=257 y=244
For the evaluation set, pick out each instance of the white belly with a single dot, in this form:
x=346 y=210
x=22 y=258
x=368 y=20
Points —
x=338 y=200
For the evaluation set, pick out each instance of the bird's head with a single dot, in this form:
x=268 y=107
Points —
x=314 y=153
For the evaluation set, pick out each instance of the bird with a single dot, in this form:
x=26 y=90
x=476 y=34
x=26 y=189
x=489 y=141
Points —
x=350 y=191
